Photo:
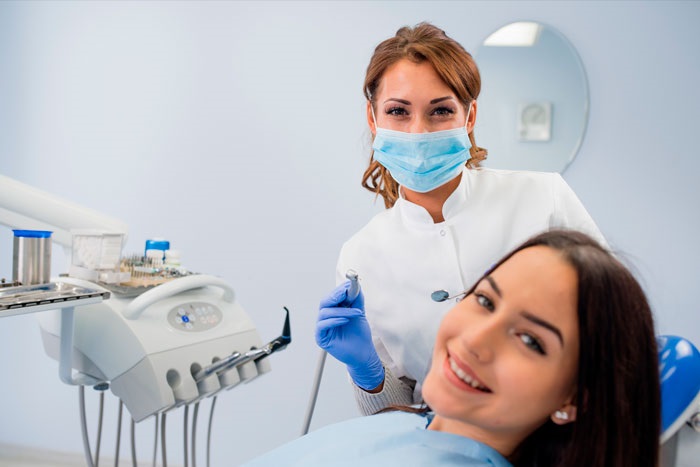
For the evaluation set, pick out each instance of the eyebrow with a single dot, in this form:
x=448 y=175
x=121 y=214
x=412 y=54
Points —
x=440 y=99
x=405 y=102
x=530 y=317
x=544 y=324
x=494 y=286
x=396 y=99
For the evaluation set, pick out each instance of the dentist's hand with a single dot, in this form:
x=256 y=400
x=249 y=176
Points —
x=342 y=330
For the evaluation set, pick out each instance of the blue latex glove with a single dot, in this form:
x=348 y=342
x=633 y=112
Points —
x=342 y=330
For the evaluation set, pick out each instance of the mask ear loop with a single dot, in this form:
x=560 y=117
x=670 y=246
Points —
x=374 y=117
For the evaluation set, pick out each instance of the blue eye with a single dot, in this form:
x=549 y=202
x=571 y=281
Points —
x=532 y=343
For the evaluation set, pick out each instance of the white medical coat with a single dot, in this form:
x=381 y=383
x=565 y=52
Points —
x=402 y=256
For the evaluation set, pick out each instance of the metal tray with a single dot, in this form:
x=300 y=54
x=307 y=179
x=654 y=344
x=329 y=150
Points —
x=14 y=300
x=126 y=291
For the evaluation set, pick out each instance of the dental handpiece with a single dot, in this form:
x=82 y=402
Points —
x=354 y=289
x=232 y=359
x=237 y=359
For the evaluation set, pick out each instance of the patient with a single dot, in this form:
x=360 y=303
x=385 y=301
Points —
x=549 y=360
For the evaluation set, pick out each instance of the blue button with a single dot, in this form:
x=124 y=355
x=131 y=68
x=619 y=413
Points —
x=185 y=319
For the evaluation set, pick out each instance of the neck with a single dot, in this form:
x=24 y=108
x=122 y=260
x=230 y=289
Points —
x=502 y=441
x=434 y=200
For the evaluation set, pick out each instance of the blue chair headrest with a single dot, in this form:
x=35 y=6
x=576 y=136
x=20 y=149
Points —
x=679 y=368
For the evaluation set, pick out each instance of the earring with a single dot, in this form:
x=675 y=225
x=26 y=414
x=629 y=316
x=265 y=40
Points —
x=561 y=415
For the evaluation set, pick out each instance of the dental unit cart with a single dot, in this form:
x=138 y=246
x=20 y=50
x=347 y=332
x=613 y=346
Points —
x=159 y=338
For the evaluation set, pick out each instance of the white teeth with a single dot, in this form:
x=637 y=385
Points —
x=465 y=377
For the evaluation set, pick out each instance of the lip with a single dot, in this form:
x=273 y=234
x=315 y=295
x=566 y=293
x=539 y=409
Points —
x=458 y=382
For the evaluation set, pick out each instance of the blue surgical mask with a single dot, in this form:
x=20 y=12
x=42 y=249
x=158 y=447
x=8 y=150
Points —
x=422 y=161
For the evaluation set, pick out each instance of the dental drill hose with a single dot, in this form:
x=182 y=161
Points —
x=351 y=295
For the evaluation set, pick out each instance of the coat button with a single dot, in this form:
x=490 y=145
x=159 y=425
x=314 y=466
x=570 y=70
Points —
x=443 y=233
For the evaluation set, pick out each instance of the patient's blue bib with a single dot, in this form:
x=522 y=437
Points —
x=394 y=438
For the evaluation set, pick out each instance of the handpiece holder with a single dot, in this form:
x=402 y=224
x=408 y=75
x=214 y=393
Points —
x=236 y=359
x=168 y=289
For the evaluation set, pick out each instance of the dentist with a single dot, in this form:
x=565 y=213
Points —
x=447 y=220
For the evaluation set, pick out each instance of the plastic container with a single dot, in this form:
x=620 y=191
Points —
x=96 y=253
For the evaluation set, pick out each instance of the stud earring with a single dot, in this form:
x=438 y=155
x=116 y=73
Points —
x=561 y=415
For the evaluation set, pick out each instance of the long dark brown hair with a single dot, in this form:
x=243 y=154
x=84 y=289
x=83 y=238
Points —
x=453 y=64
x=618 y=394
x=618 y=416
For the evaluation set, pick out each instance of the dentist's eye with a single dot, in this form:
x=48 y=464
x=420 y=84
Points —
x=532 y=343
x=484 y=301
x=396 y=111
x=443 y=111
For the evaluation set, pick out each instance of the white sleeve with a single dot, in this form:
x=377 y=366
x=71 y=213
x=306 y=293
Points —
x=569 y=212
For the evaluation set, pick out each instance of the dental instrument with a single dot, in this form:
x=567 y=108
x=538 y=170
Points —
x=354 y=289
x=442 y=295
x=237 y=359
x=232 y=359
x=352 y=293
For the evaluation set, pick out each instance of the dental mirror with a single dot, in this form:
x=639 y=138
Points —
x=533 y=106
x=439 y=295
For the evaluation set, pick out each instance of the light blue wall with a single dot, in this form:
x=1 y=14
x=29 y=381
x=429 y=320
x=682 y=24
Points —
x=237 y=130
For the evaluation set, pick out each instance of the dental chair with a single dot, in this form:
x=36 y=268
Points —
x=679 y=368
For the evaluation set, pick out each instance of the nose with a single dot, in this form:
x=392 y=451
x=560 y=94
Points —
x=419 y=125
x=482 y=339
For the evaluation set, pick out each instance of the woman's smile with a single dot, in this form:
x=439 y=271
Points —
x=465 y=375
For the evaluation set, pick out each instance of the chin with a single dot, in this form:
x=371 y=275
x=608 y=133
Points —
x=429 y=391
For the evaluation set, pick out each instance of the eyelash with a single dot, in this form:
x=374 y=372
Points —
x=443 y=111
x=396 y=111
x=529 y=340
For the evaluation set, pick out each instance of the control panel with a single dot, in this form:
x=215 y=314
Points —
x=194 y=316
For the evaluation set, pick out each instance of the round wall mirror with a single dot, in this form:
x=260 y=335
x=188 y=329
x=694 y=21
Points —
x=533 y=105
